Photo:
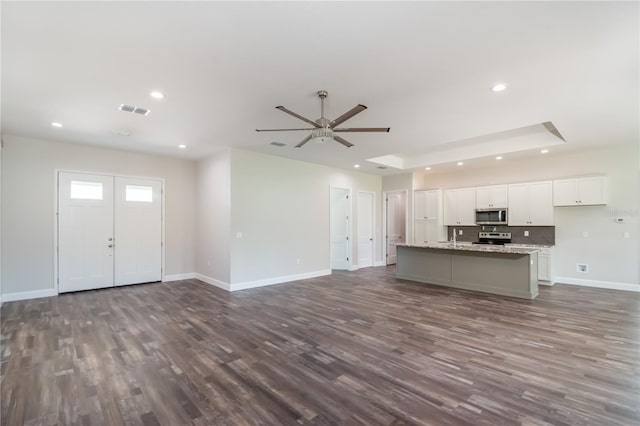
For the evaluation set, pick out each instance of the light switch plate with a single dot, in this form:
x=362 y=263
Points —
x=526 y=233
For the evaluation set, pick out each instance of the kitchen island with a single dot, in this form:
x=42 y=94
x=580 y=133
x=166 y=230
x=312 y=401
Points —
x=503 y=270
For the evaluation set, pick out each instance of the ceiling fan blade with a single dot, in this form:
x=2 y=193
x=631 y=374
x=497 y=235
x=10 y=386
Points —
x=363 y=129
x=342 y=141
x=303 y=141
x=347 y=115
x=280 y=130
x=298 y=116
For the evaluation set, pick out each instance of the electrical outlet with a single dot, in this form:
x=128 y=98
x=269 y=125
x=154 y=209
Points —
x=459 y=231
x=585 y=234
x=627 y=235
x=238 y=234
x=582 y=267
x=298 y=261
x=526 y=233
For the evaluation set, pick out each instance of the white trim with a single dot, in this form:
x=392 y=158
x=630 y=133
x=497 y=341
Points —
x=600 y=284
x=212 y=281
x=25 y=295
x=379 y=263
x=278 y=280
x=353 y=268
x=178 y=277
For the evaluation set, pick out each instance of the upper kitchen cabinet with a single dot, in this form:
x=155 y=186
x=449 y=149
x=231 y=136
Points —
x=428 y=225
x=460 y=207
x=531 y=204
x=488 y=197
x=586 y=191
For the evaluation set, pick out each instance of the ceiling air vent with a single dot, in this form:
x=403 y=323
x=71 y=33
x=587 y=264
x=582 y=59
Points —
x=278 y=144
x=134 y=109
x=382 y=167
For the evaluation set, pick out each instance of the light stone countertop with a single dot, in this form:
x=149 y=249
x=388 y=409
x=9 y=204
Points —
x=465 y=246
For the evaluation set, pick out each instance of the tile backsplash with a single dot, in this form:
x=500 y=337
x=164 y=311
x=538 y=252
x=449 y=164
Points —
x=545 y=235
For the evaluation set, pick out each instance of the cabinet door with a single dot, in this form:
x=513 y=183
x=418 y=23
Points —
x=592 y=190
x=544 y=267
x=420 y=205
x=541 y=203
x=451 y=207
x=467 y=207
x=433 y=205
x=435 y=232
x=483 y=197
x=518 y=204
x=420 y=232
x=499 y=196
x=565 y=192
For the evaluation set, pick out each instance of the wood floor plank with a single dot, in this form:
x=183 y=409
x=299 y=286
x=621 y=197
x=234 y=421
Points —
x=353 y=348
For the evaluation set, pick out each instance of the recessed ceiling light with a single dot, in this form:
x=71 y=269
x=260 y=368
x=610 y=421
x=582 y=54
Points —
x=356 y=166
x=427 y=168
x=156 y=95
x=499 y=87
x=56 y=124
x=544 y=151
x=182 y=146
x=460 y=163
x=499 y=157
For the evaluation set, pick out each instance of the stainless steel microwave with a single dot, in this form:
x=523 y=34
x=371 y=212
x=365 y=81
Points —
x=491 y=216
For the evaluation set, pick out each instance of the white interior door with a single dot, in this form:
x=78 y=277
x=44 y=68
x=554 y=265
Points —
x=138 y=230
x=396 y=208
x=339 y=224
x=365 y=229
x=85 y=231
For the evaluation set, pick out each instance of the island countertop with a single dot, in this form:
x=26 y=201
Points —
x=484 y=248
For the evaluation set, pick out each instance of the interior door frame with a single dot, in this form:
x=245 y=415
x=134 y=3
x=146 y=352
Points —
x=384 y=220
x=349 y=228
x=56 y=207
x=373 y=223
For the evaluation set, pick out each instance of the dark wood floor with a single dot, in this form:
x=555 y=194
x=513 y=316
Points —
x=356 y=348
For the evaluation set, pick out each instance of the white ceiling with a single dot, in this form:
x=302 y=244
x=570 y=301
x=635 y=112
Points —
x=423 y=68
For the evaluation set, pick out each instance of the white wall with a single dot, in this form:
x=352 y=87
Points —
x=213 y=215
x=281 y=207
x=611 y=257
x=28 y=215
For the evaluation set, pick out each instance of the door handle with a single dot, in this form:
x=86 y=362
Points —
x=110 y=245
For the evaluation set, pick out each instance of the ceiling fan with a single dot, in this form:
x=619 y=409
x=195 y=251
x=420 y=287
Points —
x=324 y=130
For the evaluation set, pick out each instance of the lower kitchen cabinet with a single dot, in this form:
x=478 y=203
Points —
x=545 y=263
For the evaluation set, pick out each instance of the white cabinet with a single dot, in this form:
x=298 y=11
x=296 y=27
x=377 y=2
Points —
x=428 y=225
x=545 y=263
x=460 y=207
x=491 y=196
x=531 y=204
x=579 y=191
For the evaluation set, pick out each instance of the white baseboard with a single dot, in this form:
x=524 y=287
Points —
x=178 y=277
x=354 y=268
x=25 y=295
x=380 y=264
x=220 y=284
x=278 y=280
x=600 y=284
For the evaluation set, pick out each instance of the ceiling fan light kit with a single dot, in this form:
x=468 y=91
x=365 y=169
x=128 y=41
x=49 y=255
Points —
x=323 y=129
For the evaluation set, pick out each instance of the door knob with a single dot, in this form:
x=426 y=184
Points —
x=110 y=239
x=110 y=245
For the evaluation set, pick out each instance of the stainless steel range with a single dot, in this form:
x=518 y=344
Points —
x=496 y=238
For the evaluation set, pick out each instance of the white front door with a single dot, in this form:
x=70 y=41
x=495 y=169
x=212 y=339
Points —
x=138 y=230
x=339 y=224
x=365 y=229
x=85 y=231
x=396 y=208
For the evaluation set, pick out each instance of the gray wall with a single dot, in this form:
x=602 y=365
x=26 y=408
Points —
x=213 y=216
x=28 y=207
